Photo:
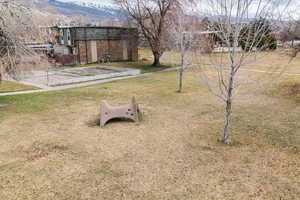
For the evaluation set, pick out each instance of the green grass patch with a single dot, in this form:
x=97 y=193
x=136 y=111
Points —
x=41 y=102
x=8 y=86
x=145 y=67
x=144 y=64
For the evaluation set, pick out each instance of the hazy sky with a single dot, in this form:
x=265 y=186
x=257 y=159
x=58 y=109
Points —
x=293 y=2
x=278 y=8
x=90 y=1
x=293 y=10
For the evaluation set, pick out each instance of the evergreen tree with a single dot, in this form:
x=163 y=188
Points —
x=258 y=34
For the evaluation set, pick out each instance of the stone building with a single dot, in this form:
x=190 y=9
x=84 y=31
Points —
x=90 y=44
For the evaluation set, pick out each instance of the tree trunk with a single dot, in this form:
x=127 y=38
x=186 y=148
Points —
x=181 y=73
x=226 y=139
x=0 y=78
x=156 y=62
x=180 y=80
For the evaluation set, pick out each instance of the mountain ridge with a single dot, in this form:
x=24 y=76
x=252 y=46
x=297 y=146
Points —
x=94 y=10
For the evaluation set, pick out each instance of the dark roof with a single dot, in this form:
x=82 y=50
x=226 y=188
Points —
x=98 y=27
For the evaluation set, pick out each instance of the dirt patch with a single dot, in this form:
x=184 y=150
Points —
x=145 y=60
x=93 y=121
x=40 y=150
x=294 y=89
x=3 y=105
x=290 y=90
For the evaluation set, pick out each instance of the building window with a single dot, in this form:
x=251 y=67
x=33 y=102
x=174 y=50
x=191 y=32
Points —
x=62 y=36
x=74 y=51
x=69 y=36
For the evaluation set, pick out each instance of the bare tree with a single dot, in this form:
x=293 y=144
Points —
x=184 y=44
x=183 y=37
x=15 y=29
x=290 y=32
x=153 y=19
x=237 y=23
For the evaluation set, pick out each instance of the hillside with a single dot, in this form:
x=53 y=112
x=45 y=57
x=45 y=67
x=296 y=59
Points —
x=96 y=11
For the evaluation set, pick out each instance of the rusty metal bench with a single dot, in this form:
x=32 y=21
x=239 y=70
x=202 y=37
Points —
x=108 y=112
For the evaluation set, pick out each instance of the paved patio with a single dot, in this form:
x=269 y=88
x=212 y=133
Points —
x=66 y=76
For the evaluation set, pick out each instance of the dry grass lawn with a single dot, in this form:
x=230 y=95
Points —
x=52 y=149
x=274 y=61
x=8 y=86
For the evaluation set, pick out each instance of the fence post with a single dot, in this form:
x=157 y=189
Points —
x=48 y=77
